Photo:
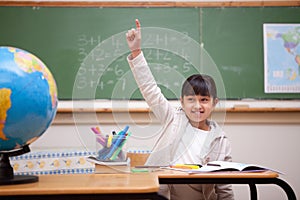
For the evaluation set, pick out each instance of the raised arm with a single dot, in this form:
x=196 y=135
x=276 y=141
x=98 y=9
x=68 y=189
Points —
x=144 y=78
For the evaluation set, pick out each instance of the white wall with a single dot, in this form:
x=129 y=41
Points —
x=272 y=145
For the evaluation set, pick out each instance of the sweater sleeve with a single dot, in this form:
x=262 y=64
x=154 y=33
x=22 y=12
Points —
x=152 y=94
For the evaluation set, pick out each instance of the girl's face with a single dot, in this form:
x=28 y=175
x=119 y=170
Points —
x=198 y=108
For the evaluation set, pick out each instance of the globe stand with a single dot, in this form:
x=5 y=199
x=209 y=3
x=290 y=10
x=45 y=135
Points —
x=7 y=176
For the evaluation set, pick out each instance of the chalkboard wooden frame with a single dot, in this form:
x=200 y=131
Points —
x=71 y=3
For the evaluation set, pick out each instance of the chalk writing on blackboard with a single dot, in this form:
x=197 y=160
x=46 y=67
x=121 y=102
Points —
x=171 y=55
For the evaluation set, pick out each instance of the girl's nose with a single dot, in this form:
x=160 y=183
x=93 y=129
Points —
x=197 y=104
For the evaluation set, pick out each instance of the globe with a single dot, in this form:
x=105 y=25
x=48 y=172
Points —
x=28 y=104
x=28 y=98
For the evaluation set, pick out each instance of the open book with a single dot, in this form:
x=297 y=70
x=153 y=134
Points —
x=94 y=160
x=110 y=167
x=215 y=166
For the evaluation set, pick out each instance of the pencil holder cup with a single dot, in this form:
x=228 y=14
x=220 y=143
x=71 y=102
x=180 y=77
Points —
x=111 y=148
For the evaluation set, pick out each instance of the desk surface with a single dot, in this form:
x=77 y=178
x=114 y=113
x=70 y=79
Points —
x=54 y=186
x=250 y=178
x=212 y=175
x=86 y=184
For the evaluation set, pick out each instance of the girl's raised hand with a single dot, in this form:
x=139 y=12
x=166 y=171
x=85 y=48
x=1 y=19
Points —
x=133 y=38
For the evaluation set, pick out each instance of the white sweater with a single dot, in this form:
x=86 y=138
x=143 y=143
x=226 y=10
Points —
x=173 y=137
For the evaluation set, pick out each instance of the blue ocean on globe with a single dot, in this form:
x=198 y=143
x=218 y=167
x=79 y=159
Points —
x=28 y=98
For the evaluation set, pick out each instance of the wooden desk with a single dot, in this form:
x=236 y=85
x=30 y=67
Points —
x=131 y=186
x=250 y=178
x=85 y=186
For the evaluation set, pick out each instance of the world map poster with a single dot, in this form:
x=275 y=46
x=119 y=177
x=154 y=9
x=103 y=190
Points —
x=282 y=58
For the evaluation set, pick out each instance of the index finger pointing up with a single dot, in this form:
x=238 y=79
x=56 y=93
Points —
x=137 y=23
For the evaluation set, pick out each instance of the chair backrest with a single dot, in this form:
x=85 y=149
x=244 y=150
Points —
x=137 y=159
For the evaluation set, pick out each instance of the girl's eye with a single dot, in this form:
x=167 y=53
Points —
x=205 y=99
x=191 y=99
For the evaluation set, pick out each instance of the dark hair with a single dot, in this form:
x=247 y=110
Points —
x=199 y=84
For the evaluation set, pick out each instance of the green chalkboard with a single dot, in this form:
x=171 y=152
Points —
x=234 y=38
x=85 y=47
